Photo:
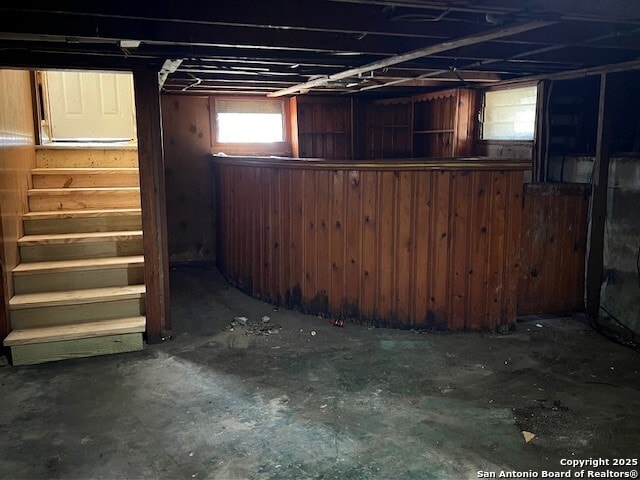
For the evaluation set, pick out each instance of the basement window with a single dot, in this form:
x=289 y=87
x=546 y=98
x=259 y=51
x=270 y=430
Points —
x=250 y=126
x=509 y=114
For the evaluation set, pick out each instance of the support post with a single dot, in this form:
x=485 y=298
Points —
x=599 y=198
x=153 y=198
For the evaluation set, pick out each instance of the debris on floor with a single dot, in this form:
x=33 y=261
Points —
x=528 y=436
x=247 y=327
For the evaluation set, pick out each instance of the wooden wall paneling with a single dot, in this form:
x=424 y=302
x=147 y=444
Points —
x=323 y=227
x=324 y=127
x=386 y=246
x=219 y=212
x=369 y=261
x=461 y=195
x=478 y=250
x=267 y=183
x=234 y=218
x=567 y=209
x=153 y=200
x=310 y=216
x=423 y=258
x=338 y=241
x=404 y=247
x=275 y=226
x=297 y=236
x=398 y=248
x=497 y=230
x=190 y=196
x=17 y=158
x=552 y=252
x=538 y=248
x=513 y=241
x=353 y=253
x=580 y=248
x=554 y=229
x=441 y=233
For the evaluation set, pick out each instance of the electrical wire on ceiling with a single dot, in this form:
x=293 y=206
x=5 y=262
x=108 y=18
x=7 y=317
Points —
x=198 y=81
x=419 y=17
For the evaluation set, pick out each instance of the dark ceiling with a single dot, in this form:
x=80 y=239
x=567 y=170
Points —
x=334 y=46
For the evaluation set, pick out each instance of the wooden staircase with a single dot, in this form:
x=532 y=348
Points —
x=79 y=290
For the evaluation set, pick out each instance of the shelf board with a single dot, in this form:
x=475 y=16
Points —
x=324 y=133
x=450 y=130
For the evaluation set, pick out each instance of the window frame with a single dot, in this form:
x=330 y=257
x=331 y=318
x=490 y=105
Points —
x=494 y=141
x=258 y=149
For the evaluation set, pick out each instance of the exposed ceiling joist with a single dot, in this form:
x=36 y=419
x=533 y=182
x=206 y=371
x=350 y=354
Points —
x=422 y=52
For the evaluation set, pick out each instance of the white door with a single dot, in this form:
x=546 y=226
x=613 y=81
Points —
x=90 y=106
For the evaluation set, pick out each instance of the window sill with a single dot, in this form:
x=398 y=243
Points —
x=282 y=149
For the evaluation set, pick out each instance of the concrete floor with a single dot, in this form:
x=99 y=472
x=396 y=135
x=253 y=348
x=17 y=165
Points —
x=351 y=402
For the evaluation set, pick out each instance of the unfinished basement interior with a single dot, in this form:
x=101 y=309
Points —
x=330 y=239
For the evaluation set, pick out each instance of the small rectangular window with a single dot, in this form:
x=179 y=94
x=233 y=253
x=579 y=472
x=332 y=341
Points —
x=250 y=121
x=509 y=114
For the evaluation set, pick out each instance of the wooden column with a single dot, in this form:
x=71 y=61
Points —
x=541 y=145
x=599 y=197
x=154 y=214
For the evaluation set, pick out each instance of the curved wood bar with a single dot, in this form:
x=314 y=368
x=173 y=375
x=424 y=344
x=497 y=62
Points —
x=411 y=244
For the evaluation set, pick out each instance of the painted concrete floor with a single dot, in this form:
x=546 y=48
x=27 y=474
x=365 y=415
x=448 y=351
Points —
x=352 y=402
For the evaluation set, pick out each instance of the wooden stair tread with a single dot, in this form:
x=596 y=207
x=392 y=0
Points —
x=75 y=297
x=117 y=326
x=78 y=265
x=107 y=212
x=75 y=170
x=81 y=190
x=81 y=237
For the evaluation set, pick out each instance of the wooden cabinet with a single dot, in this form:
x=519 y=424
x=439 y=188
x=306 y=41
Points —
x=433 y=125
x=322 y=127
x=388 y=128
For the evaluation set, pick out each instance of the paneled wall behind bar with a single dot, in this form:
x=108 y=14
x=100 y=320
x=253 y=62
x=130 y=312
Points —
x=17 y=158
x=323 y=126
x=424 y=248
x=554 y=238
x=389 y=128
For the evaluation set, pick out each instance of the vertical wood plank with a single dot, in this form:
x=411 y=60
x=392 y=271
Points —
x=440 y=251
x=323 y=199
x=309 y=281
x=353 y=245
x=286 y=252
x=386 y=234
x=404 y=247
x=478 y=250
x=370 y=219
x=460 y=248
x=338 y=239
x=297 y=238
x=497 y=243
x=514 y=225
x=423 y=267
x=276 y=238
